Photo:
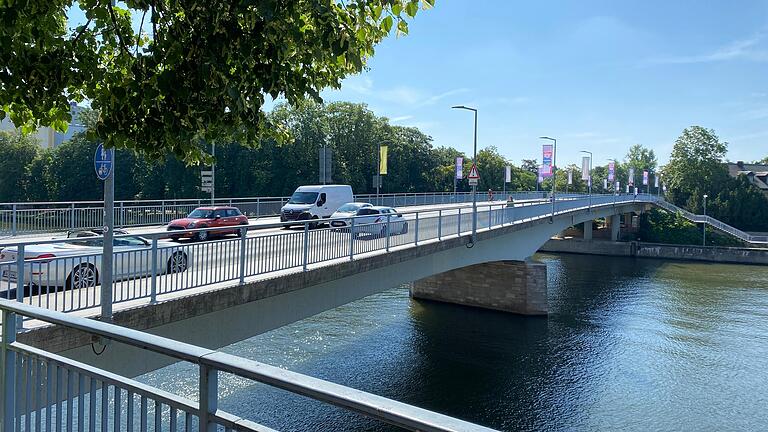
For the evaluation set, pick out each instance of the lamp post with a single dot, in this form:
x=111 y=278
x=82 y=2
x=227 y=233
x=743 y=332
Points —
x=554 y=164
x=474 y=162
x=704 y=225
x=589 y=176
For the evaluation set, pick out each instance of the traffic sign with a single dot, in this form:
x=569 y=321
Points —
x=473 y=174
x=103 y=161
x=473 y=182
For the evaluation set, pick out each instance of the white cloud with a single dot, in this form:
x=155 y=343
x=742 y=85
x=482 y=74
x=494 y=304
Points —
x=358 y=84
x=400 y=118
x=755 y=114
x=745 y=49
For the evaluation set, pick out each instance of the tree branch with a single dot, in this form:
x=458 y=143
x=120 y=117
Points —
x=82 y=31
x=117 y=28
x=141 y=28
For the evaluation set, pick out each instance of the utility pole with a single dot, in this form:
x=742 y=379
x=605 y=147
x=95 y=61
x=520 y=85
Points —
x=554 y=165
x=104 y=164
x=474 y=162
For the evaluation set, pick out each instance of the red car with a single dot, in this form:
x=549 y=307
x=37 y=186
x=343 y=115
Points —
x=208 y=217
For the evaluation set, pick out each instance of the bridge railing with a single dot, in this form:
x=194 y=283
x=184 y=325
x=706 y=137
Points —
x=64 y=274
x=45 y=391
x=47 y=217
x=749 y=238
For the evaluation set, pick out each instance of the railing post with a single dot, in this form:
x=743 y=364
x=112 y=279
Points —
x=13 y=220
x=153 y=285
x=162 y=211
x=416 y=234
x=19 y=283
x=490 y=215
x=8 y=396
x=209 y=397
x=122 y=214
x=389 y=232
x=306 y=246
x=352 y=240
x=439 y=224
x=458 y=230
x=243 y=238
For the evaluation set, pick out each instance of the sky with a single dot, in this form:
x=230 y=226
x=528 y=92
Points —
x=597 y=75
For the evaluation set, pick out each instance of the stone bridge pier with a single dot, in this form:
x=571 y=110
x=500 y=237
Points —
x=510 y=286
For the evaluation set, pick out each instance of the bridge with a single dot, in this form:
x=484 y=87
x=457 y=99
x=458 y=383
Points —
x=235 y=288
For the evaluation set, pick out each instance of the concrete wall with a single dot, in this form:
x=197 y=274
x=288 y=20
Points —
x=510 y=286
x=661 y=251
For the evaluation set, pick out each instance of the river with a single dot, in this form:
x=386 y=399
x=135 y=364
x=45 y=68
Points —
x=630 y=344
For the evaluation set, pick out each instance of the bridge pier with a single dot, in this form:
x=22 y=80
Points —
x=510 y=286
x=615 y=222
x=588 y=230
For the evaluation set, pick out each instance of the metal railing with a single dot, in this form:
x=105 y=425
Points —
x=43 y=391
x=64 y=274
x=735 y=232
x=47 y=217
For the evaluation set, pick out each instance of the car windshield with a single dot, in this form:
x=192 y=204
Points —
x=350 y=208
x=303 y=198
x=201 y=214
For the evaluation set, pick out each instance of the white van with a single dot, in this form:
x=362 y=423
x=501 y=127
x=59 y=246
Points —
x=315 y=202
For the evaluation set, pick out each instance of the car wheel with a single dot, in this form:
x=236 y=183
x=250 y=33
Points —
x=405 y=228
x=202 y=235
x=83 y=276
x=240 y=231
x=177 y=263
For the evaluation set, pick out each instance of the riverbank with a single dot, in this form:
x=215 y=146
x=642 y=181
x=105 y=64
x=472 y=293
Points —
x=729 y=255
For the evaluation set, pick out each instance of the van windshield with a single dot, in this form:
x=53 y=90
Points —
x=303 y=198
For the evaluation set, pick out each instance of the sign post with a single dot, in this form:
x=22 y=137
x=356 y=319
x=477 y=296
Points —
x=104 y=164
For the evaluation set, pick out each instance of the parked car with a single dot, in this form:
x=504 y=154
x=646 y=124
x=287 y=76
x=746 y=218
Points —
x=208 y=217
x=77 y=264
x=373 y=220
x=346 y=211
x=315 y=203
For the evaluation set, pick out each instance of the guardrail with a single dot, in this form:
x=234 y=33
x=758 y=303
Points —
x=749 y=238
x=47 y=217
x=45 y=391
x=64 y=274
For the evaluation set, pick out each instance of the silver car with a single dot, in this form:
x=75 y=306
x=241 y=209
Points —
x=77 y=264
x=347 y=211
x=373 y=220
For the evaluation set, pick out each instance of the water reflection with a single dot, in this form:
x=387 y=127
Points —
x=629 y=344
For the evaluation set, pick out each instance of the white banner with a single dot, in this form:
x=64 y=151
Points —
x=507 y=174
x=631 y=179
x=585 y=168
x=618 y=186
x=570 y=177
x=656 y=177
x=459 y=168
x=645 y=177
x=605 y=183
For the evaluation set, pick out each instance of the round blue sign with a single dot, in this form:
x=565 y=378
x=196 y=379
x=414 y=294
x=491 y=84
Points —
x=103 y=161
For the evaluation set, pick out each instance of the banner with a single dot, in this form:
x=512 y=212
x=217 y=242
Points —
x=585 y=168
x=611 y=171
x=618 y=186
x=631 y=178
x=459 y=168
x=507 y=174
x=546 y=158
x=570 y=177
x=544 y=172
x=645 y=178
x=656 y=178
x=383 y=160
x=605 y=184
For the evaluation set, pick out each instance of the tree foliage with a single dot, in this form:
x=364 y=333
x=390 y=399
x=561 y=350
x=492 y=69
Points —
x=17 y=151
x=696 y=166
x=198 y=68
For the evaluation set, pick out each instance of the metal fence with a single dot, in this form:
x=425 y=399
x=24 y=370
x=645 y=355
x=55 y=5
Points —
x=43 y=391
x=64 y=274
x=47 y=217
x=749 y=238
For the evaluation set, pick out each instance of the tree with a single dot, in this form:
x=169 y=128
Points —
x=199 y=68
x=530 y=165
x=764 y=161
x=17 y=151
x=695 y=166
x=640 y=159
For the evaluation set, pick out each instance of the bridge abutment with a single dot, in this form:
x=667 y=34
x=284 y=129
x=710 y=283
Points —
x=510 y=286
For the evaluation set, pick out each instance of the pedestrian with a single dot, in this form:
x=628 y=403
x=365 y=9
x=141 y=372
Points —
x=490 y=194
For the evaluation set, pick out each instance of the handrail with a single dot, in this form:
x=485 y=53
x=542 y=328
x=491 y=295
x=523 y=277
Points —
x=387 y=410
x=709 y=220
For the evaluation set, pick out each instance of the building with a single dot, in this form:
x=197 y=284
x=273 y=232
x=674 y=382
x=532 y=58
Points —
x=756 y=173
x=46 y=136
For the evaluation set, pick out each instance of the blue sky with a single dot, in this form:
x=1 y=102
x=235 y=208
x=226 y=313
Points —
x=597 y=75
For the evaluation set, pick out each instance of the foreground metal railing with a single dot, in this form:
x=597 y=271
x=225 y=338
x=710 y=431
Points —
x=43 y=391
x=64 y=274
x=45 y=217
x=702 y=219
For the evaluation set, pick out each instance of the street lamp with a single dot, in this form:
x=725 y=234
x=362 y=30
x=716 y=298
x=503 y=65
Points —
x=474 y=162
x=704 y=225
x=589 y=176
x=554 y=164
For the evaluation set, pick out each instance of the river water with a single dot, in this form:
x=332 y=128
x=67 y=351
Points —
x=629 y=344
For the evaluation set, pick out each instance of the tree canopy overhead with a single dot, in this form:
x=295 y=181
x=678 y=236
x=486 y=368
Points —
x=193 y=69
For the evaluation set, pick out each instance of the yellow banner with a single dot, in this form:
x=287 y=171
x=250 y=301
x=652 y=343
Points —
x=383 y=160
